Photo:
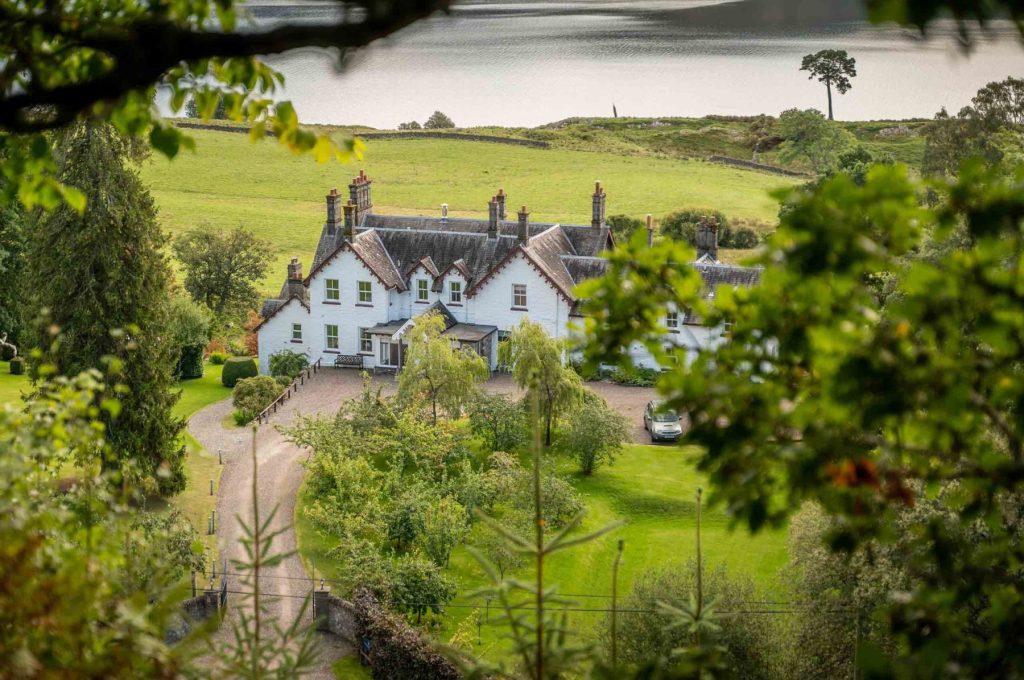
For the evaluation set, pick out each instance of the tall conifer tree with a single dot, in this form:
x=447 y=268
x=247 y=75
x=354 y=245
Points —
x=101 y=271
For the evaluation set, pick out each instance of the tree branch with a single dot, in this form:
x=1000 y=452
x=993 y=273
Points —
x=144 y=50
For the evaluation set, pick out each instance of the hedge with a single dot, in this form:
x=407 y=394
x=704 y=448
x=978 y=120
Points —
x=17 y=366
x=190 y=365
x=237 y=368
x=397 y=650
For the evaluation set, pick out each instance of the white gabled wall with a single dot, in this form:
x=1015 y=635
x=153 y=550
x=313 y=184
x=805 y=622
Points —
x=348 y=314
x=492 y=302
x=276 y=334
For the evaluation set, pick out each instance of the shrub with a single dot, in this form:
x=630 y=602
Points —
x=190 y=365
x=594 y=434
x=242 y=418
x=218 y=358
x=237 y=368
x=288 y=363
x=6 y=352
x=238 y=349
x=623 y=226
x=252 y=395
x=682 y=226
x=419 y=585
x=283 y=380
x=17 y=366
x=438 y=121
x=745 y=237
x=637 y=376
x=646 y=633
x=397 y=650
x=499 y=421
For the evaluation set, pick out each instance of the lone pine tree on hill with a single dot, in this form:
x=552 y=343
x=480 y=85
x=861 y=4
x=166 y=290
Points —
x=104 y=270
x=832 y=67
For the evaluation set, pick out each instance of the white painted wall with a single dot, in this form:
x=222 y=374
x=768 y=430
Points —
x=492 y=303
x=276 y=334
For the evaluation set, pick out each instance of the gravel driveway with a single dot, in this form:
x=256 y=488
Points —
x=281 y=473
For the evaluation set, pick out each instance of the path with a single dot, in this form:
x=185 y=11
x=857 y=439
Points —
x=281 y=473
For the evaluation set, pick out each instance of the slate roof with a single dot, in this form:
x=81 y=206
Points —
x=393 y=246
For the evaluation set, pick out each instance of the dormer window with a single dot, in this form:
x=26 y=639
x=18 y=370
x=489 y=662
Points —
x=365 y=292
x=518 y=296
x=455 y=292
x=422 y=290
x=672 y=319
x=332 y=290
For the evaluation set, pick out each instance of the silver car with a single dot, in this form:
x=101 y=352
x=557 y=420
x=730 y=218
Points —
x=661 y=423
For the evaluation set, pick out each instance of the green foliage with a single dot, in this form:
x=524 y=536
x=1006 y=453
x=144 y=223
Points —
x=594 y=434
x=995 y=117
x=13 y=243
x=752 y=643
x=834 y=68
x=436 y=372
x=251 y=395
x=286 y=363
x=89 y=586
x=17 y=366
x=190 y=329
x=624 y=226
x=220 y=113
x=438 y=121
x=411 y=125
x=7 y=351
x=499 y=420
x=635 y=376
x=237 y=368
x=103 y=280
x=681 y=225
x=873 y=405
x=218 y=358
x=420 y=586
x=444 y=526
x=809 y=136
x=222 y=269
x=537 y=366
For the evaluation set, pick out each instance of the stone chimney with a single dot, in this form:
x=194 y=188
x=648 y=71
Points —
x=359 y=193
x=523 y=232
x=707 y=238
x=295 y=278
x=444 y=213
x=351 y=219
x=501 y=204
x=333 y=211
x=597 y=219
x=650 y=231
x=493 y=210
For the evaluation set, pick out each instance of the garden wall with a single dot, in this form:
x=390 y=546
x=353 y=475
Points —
x=751 y=165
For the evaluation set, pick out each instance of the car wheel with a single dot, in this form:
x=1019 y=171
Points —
x=653 y=439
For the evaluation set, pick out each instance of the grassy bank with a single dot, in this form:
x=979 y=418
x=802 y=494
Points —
x=231 y=181
x=651 y=489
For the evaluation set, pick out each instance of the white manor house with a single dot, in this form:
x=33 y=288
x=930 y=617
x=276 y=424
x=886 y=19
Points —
x=372 y=275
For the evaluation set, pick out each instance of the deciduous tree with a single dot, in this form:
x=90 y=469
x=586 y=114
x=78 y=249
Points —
x=222 y=269
x=537 y=362
x=594 y=433
x=808 y=135
x=834 y=68
x=443 y=375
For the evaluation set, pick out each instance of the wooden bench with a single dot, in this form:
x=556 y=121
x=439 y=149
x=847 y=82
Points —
x=349 y=361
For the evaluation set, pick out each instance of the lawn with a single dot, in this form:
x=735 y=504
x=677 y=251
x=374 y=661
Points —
x=230 y=181
x=651 y=489
x=11 y=386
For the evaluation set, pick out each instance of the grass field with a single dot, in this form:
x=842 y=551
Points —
x=651 y=489
x=11 y=386
x=230 y=181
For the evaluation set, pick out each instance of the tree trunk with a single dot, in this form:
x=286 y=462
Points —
x=547 y=425
x=828 y=86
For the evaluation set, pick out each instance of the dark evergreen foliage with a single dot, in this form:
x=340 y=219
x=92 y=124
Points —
x=17 y=366
x=102 y=278
x=237 y=368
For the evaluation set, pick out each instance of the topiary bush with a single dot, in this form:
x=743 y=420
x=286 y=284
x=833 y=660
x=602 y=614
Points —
x=17 y=366
x=251 y=395
x=7 y=352
x=237 y=368
x=190 y=365
x=218 y=358
x=287 y=363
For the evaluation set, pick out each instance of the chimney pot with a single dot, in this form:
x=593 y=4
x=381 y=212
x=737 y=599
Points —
x=597 y=219
x=650 y=230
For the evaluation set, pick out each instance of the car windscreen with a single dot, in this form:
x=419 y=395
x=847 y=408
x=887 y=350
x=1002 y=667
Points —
x=665 y=417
